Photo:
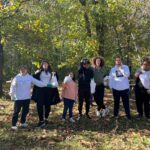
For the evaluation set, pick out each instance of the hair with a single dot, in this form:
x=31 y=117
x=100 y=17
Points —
x=74 y=76
x=118 y=56
x=145 y=59
x=49 y=69
x=101 y=59
x=23 y=67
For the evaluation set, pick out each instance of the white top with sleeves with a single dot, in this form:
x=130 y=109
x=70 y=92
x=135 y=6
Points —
x=21 y=86
x=45 y=77
x=118 y=78
x=145 y=79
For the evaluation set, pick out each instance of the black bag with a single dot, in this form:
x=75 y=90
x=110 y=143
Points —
x=35 y=88
x=55 y=98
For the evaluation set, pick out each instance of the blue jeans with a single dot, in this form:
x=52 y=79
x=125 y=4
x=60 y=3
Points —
x=68 y=104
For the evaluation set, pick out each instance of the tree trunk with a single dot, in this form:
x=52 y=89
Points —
x=101 y=28
x=101 y=39
x=87 y=20
x=1 y=65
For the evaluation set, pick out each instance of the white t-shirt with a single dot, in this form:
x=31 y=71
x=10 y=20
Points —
x=45 y=77
x=118 y=78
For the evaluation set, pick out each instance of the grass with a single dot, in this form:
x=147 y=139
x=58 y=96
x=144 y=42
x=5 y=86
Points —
x=95 y=134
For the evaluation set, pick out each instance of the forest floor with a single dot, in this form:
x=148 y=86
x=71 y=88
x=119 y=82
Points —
x=95 y=134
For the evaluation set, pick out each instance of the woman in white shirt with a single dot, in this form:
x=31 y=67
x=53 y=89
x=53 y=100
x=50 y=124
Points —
x=43 y=95
x=142 y=89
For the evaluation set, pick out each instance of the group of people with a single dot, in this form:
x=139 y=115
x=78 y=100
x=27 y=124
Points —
x=44 y=91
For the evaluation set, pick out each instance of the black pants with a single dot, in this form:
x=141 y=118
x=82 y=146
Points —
x=43 y=103
x=84 y=94
x=142 y=99
x=124 y=94
x=99 y=97
x=18 y=105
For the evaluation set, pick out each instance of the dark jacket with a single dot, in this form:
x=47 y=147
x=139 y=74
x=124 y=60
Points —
x=84 y=77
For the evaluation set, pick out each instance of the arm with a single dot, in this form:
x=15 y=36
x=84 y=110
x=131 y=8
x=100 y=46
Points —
x=125 y=71
x=37 y=82
x=110 y=79
x=76 y=93
x=64 y=85
x=13 y=88
x=92 y=74
x=137 y=73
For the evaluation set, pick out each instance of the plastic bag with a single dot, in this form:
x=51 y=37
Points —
x=54 y=82
x=92 y=85
x=106 y=81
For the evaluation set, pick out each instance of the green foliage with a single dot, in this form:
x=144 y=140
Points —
x=56 y=30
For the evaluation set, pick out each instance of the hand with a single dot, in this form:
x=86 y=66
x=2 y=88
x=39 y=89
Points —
x=148 y=91
x=49 y=85
x=137 y=74
x=12 y=97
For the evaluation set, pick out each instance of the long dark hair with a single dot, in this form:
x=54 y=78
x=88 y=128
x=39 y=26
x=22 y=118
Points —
x=49 y=69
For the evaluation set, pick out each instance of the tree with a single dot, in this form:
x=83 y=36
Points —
x=1 y=64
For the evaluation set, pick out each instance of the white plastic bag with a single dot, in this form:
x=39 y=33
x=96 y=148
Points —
x=54 y=81
x=92 y=85
x=106 y=81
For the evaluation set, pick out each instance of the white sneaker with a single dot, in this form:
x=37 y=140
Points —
x=97 y=113
x=72 y=120
x=103 y=113
x=148 y=119
x=24 y=125
x=14 y=128
x=63 y=120
x=106 y=111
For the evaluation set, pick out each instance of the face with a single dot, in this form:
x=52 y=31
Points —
x=23 y=71
x=71 y=75
x=45 y=65
x=98 y=62
x=86 y=65
x=146 y=66
x=118 y=61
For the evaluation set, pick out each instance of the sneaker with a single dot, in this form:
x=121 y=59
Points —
x=79 y=116
x=63 y=119
x=103 y=112
x=46 y=121
x=116 y=117
x=97 y=113
x=106 y=111
x=139 y=117
x=72 y=120
x=41 y=124
x=128 y=118
x=24 y=125
x=14 y=128
x=148 y=119
x=87 y=115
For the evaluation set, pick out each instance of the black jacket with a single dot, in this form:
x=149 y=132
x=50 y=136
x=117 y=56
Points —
x=84 y=77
